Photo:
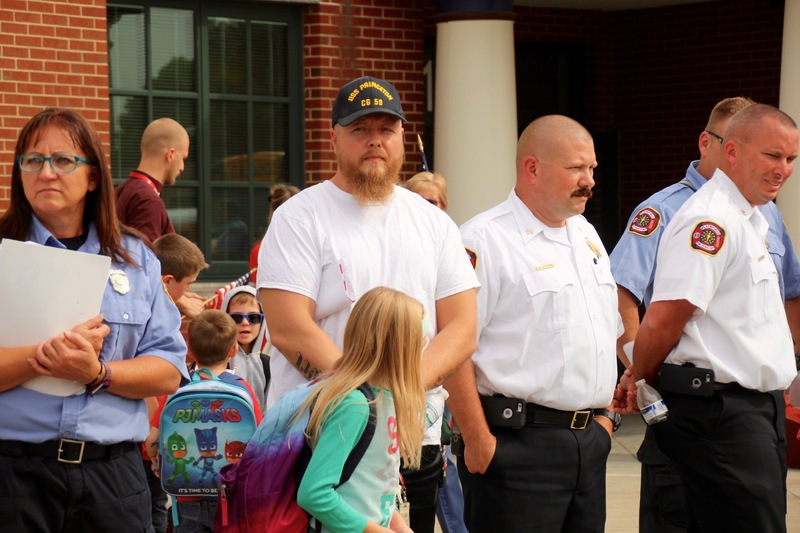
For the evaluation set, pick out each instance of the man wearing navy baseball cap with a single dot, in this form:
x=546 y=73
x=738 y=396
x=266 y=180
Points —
x=366 y=96
x=331 y=243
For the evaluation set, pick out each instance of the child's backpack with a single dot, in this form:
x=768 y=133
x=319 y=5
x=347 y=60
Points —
x=259 y=493
x=204 y=425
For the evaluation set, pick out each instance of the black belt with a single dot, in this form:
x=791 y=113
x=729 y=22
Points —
x=727 y=386
x=507 y=412
x=65 y=450
x=538 y=414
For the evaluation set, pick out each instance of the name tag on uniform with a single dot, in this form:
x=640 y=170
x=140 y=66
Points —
x=545 y=266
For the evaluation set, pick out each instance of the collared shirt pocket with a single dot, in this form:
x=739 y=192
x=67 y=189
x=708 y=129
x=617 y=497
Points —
x=766 y=292
x=127 y=316
x=553 y=298
x=606 y=285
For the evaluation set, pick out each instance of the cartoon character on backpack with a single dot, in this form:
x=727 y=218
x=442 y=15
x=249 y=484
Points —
x=234 y=451
x=176 y=446
x=207 y=448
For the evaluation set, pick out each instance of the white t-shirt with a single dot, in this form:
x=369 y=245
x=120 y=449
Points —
x=714 y=255
x=324 y=245
x=547 y=309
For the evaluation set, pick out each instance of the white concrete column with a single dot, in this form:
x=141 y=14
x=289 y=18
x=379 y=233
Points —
x=475 y=113
x=789 y=197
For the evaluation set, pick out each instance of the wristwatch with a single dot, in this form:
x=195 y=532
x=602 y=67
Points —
x=615 y=417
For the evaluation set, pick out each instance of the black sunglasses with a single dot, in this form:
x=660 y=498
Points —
x=253 y=318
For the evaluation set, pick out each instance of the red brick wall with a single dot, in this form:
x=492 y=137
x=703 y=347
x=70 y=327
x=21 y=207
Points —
x=672 y=65
x=352 y=38
x=653 y=75
x=592 y=29
x=52 y=53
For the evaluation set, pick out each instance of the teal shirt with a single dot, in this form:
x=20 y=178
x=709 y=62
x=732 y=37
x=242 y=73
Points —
x=370 y=491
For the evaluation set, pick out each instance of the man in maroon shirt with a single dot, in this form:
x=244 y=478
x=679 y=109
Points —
x=165 y=146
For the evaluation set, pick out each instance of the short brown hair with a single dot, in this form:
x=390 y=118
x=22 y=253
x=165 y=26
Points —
x=725 y=109
x=179 y=256
x=244 y=298
x=745 y=123
x=212 y=334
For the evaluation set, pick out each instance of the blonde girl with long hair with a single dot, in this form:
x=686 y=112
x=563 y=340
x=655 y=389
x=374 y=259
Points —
x=383 y=343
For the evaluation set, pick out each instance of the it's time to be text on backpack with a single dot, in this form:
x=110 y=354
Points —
x=259 y=493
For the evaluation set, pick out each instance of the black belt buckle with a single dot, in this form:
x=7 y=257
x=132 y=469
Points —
x=580 y=419
x=70 y=451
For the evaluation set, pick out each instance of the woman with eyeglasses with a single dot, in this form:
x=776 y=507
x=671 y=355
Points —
x=70 y=463
x=251 y=361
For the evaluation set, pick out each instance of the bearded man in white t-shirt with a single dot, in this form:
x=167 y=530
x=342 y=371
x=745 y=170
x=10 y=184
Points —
x=331 y=243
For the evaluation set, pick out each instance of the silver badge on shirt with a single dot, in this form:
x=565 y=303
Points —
x=119 y=280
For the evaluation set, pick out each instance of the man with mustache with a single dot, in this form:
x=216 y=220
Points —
x=332 y=242
x=533 y=404
x=716 y=305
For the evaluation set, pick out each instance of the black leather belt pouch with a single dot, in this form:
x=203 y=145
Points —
x=686 y=379
x=503 y=412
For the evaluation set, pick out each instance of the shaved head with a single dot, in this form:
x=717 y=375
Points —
x=161 y=135
x=555 y=168
x=165 y=146
x=548 y=135
x=746 y=124
x=761 y=146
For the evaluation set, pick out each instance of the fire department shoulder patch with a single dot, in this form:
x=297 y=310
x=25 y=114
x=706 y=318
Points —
x=708 y=237
x=645 y=222
x=473 y=257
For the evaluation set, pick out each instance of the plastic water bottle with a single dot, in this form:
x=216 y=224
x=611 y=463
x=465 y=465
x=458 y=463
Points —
x=651 y=404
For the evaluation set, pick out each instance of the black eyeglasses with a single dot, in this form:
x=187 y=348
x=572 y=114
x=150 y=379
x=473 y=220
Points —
x=717 y=137
x=60 y=163
x=253 y=318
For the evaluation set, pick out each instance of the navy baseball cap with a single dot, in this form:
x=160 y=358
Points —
x=366 y=96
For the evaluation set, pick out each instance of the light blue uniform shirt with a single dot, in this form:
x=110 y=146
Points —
x=143 y=322
x=633 y=261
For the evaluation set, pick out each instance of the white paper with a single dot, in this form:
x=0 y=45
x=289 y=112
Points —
x=43 y=292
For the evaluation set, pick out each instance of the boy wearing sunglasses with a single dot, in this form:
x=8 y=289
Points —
x=251 y=361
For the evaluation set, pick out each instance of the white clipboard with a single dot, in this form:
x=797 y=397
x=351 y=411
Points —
x=43 y=292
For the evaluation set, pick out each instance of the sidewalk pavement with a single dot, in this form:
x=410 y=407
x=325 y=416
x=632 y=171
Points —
x=622 y=481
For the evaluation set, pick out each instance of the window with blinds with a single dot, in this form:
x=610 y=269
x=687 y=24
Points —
x=232 y=76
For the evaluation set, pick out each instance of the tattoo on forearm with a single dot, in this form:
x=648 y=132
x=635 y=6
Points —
x=304 y=367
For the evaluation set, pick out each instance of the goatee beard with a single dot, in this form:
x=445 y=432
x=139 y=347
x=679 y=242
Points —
x=375 y=183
